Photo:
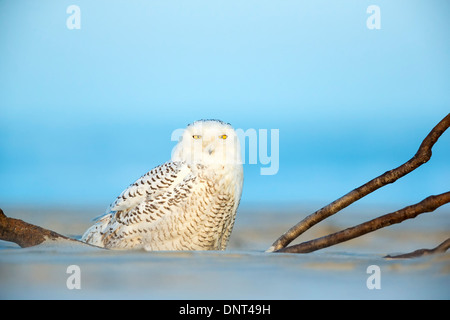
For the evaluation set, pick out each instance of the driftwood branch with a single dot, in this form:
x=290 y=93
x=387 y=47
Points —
x=24 y=233
x=422 y=156
x=427 y=205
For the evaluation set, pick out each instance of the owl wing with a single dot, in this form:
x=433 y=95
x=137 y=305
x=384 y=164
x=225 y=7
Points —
x=153 y=185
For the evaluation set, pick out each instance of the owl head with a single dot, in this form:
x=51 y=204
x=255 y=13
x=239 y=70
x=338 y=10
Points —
x=208 y=142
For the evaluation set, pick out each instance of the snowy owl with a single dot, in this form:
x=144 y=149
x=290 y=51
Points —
x=188 y=203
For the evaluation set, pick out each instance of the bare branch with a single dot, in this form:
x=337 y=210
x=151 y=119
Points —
x=422 y=156
x=25 y=234
x=427 y=205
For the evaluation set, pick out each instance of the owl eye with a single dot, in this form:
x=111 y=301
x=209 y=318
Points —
x=196 y=136
x=224 y=136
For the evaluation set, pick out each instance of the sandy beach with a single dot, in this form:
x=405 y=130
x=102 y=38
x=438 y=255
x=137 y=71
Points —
x=243 y=271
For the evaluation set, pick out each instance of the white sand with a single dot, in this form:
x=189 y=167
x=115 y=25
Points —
x=244 y=271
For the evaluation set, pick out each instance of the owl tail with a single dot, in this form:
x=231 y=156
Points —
x=94 y=235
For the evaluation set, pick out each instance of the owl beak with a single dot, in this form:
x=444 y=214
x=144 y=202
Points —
x=210 y=149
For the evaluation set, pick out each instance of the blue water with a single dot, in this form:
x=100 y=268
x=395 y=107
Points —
x=84 y=112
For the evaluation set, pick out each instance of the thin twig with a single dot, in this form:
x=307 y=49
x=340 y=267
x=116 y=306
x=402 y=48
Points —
x=443 y=247
x=427 y=205
x=422 y=156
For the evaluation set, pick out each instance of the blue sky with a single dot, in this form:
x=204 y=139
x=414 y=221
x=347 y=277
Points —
x=85 y=112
